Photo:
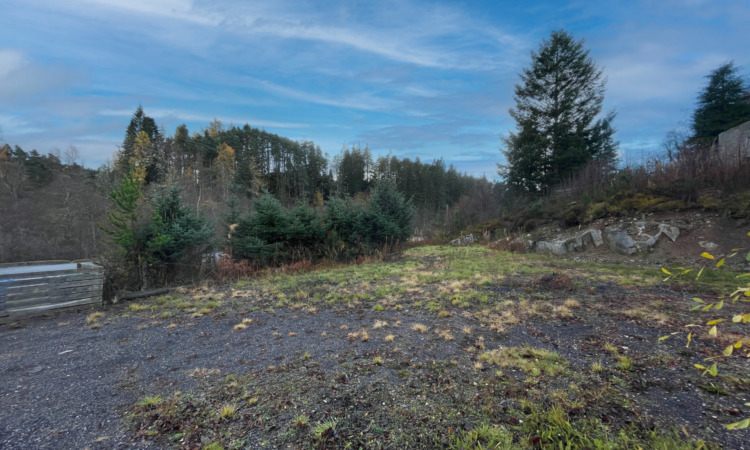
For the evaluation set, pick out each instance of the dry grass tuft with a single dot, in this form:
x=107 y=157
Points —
x=93 y=317
x=563 y=311
x=390 y=338
x=572 y=303
x=240 y=326
x=421 y=328
x=380 y=324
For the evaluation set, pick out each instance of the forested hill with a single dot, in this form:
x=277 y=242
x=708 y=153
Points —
x=51 y=206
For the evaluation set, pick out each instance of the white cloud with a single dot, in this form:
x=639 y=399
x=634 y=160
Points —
x=172 y=9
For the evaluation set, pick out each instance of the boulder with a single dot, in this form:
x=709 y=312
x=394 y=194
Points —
x=669 y=231
x=619 y=241
x=579 y=243
x=463 y=240
x=554 y=247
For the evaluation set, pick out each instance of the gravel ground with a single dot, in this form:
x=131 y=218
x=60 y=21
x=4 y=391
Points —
x=64 y=385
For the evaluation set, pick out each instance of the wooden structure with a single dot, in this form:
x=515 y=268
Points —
x=31 y=288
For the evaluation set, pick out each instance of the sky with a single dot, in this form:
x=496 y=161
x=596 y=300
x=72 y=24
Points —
x=416 y=79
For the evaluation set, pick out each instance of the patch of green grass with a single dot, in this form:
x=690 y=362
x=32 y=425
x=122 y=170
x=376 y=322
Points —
x=484 y=436
x=531 y=360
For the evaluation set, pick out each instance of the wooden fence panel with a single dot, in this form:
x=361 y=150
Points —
x=32 y=288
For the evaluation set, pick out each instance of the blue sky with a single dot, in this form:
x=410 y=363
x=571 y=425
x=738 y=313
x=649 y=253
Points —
x=419 y=79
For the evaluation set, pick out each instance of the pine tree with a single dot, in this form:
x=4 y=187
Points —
x=139 y=122
x=557 y=105
x=722 y=104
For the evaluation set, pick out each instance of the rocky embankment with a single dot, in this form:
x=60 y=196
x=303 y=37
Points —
x=663 y=239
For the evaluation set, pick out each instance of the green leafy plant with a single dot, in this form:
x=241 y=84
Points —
x=740 y=294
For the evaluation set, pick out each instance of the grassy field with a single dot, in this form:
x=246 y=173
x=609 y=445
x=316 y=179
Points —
x=459 y=348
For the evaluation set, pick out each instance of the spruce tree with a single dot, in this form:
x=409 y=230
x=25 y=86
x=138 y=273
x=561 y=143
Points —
x=722 y=104
x=557 y=113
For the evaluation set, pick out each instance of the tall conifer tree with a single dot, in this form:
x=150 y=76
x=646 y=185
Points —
x=722 y=104
x=557 y=113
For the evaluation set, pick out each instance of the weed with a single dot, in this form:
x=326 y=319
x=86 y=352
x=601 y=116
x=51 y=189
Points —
x=625 y=363
x=320 y=430
x=151 y=401
x=213 y=446
x=596 y=367
x=228 y=411
x=135 y=307
x=300 y=421
x=714 y=389
x=377 y=360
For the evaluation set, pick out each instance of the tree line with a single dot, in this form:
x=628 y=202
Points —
x=167 y=200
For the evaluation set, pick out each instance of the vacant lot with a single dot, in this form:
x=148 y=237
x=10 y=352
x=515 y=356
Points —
x=463 y=348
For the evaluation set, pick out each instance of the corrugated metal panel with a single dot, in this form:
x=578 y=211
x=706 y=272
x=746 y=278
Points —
x=29 y=288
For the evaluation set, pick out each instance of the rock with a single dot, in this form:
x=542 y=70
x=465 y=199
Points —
x=463 y=240
x=595 y=236
x=578 y=243
x=554 y=247
x=707 y=245
x=619 y=242
x=669 y=231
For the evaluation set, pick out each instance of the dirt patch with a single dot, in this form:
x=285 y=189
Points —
x=441 y=348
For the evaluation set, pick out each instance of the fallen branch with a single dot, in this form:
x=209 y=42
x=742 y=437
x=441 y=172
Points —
x=128 y=295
